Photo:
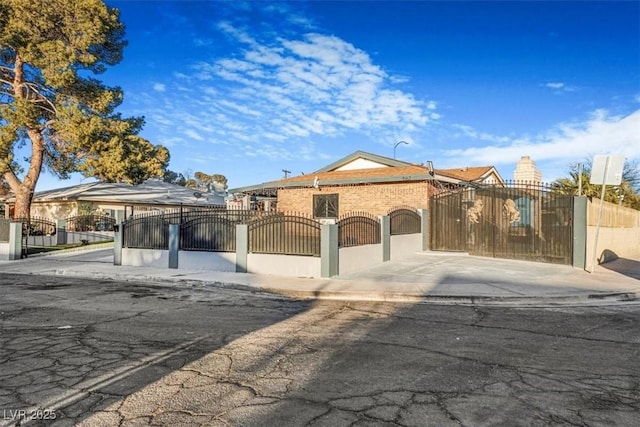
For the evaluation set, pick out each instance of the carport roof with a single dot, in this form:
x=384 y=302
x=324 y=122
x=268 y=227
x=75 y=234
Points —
x=149 y=192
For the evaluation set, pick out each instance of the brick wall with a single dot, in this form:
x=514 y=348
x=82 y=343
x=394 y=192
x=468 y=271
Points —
x=375 y=199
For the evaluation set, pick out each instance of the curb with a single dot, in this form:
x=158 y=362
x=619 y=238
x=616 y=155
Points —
x=454 y=299
x=393 y=297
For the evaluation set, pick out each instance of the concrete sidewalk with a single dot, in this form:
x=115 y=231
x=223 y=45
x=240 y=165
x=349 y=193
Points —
x=424 y=277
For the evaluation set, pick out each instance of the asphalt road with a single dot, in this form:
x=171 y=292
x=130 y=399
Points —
x=101 y=353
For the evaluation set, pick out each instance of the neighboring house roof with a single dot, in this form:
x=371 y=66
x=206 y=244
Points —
x=477 y=174
x=357 y=168
x=149 y=192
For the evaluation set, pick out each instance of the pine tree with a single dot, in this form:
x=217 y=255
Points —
x=49 y=51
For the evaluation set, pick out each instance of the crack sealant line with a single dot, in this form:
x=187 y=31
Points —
x=89 y=386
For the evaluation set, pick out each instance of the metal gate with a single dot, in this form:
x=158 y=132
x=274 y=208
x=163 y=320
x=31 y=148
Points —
x=522 y=221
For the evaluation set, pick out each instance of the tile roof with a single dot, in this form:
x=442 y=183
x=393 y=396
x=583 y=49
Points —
x=465 y=174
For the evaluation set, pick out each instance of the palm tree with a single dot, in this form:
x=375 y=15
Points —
x=626 y=194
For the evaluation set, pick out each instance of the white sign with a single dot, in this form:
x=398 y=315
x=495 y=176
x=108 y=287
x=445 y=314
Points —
x=606 y=170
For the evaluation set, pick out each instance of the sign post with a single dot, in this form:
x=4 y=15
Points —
x=605 y=170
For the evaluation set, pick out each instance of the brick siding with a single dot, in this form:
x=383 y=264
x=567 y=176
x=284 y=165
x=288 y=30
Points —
x=375 y=199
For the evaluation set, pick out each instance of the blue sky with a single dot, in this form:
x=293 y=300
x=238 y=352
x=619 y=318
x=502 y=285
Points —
x=247 y=89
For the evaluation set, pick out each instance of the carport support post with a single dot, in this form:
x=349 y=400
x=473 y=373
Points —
x=174 y=244
x=385 y=229
x=579 y=224
x=329 y=250
x=424 y=228
x=15 y=240
x=61 y=231
x=242 y=247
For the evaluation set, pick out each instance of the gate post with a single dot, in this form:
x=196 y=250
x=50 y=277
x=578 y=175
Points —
x=579 y=232
x=174 y=244
x=242 y=248
x=424 y=228
x=385 y=229
x=61 y=231
x=15 y=240
x=117 y=244
x=329 y=250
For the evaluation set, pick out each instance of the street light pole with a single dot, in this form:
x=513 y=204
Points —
x=396 y=146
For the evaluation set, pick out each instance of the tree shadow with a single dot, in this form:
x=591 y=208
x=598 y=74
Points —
x=114 y=339
x=446 y=365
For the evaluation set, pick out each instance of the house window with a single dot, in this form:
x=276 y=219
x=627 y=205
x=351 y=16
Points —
x=325 y=206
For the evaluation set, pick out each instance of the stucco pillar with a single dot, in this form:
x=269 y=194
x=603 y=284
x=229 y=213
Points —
x=385 y=229
x=424 y=228
x=579 y=224
x=242 y=248
x=117 y=244
x=329 y=250
x=119 y=216
x=61 y=231
x=15 y=240
x=174 y=244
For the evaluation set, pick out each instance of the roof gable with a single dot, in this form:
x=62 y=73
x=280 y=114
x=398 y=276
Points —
x=362 y=160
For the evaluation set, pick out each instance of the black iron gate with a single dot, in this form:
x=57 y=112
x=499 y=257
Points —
x=521 y=221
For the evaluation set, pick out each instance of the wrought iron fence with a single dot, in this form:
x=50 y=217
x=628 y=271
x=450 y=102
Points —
x=285 y=234
x=5 y=225
x=523 y=221
x=213 y=233
x=358 y=228
x=201 y=229
x=404 y=220
x=36 y=226
x=90 y=223
x=183 y=215
x=151 y=232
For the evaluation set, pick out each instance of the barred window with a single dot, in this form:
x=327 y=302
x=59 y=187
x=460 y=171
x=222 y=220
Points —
x=325 y=206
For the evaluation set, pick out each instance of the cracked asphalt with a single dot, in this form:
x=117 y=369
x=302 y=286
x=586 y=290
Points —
x=103 y=353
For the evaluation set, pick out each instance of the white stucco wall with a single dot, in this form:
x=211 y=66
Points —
x=158 y=258
x=92 y=236
x=4 y=251
x=359 y=257
x=405 y=245
x=42 y=241
x=624 y=242
x=215 y=261
x=284 y=265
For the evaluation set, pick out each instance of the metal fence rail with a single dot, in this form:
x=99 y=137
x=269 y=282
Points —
x=36 y=226
x=90 y=223
x=526 y=221
x=146 y=233
x=358 y=228
x=183 y=215
x=284 y=234
x=208 y=233
x=404 y=220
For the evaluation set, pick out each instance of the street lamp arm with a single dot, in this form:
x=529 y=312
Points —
x=396 y=146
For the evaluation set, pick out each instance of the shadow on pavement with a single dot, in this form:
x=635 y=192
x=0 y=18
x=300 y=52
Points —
x=110 y=339
x=384 y=364
x=628 y=267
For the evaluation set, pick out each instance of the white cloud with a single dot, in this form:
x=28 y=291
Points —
x=159 y=87
x=292 y=89
x=555 y=85
x=601 y=133
x=560 y=87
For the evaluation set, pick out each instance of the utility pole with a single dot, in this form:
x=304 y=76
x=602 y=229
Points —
x=286 y=173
